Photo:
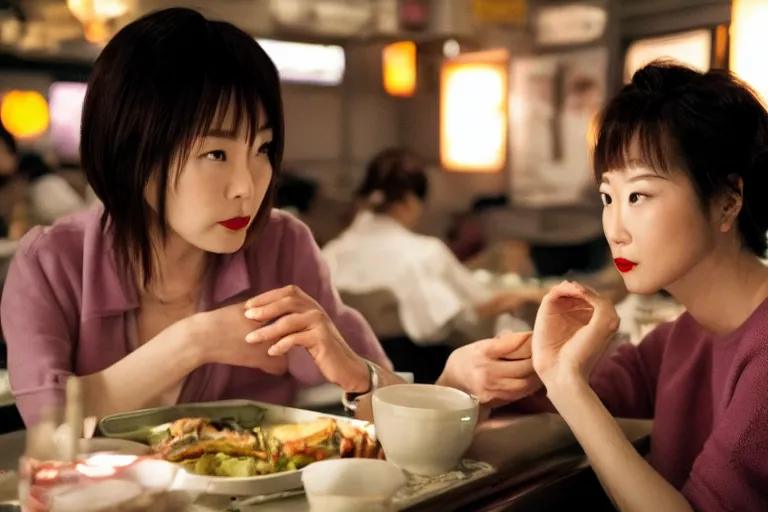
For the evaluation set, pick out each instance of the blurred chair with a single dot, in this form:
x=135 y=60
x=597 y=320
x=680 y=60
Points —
x=380 y=308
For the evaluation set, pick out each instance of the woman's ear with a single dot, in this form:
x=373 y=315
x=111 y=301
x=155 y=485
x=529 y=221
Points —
x=731 y=204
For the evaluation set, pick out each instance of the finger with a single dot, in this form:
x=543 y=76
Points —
x=283 y=306
x=498 y=370
x=274 y=295
x=604 y=319
x=568 y=293
x=281 y=328
x=510 y=345
x=514 y=389
x=304 y=339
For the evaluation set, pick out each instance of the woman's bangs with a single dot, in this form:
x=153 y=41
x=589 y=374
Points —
x=233 y=92
x=631 y=138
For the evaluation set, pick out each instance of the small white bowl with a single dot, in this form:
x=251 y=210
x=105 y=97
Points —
x=424 y=429
x=352 y=485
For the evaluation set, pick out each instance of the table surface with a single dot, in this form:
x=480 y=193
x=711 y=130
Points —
x=535 y=456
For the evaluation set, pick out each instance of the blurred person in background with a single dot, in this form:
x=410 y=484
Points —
x=12 y=186
x=436 y=295
x=50 y=195
x=295 y=194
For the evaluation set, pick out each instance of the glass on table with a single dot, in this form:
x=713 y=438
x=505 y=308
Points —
x=54 y=478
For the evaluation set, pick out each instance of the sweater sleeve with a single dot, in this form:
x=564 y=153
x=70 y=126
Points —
x=625 y=379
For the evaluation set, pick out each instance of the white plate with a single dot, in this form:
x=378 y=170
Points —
x=231 y=486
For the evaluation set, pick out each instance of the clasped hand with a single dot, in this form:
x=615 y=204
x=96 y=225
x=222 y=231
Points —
x=572 y=329
x=261 y=331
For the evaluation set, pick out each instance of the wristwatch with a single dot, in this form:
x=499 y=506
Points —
x=349 y=400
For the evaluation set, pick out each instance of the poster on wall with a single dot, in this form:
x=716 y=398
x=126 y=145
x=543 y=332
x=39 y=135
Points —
x=554 y=100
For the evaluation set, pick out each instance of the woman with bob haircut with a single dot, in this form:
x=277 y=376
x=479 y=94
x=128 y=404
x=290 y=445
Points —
x=682 y=165
x=187 y=286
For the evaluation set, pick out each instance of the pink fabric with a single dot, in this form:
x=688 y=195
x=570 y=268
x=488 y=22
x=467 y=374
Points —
x=708 y=397
x=65 y=310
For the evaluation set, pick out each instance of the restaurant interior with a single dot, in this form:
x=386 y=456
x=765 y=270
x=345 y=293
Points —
x=495 y=100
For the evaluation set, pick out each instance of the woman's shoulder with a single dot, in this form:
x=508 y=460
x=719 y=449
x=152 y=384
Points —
x=65 y=236
x=62 y=247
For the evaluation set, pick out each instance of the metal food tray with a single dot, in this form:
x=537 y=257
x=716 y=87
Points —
x=135 y=426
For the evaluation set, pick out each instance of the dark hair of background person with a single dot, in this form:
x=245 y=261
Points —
x=295 y=192
x=161 y=83
x=395 y=173
x=711 y=126
x=32 y=167
x=9 y=140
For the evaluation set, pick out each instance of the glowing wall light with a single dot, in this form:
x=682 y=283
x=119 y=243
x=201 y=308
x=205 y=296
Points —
x=473 y=112
x=749 y=39
x=398 y=62
x=315 y=64
x=24 y=114
x=693 y=48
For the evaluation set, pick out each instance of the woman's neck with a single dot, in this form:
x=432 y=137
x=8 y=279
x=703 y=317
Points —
x=179 y=271
x=398 y=216
x=723 y=290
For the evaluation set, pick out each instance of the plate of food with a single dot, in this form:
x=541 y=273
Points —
x=240 y=447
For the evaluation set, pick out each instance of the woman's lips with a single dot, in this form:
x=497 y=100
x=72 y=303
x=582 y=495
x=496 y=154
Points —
x=624 y=265
x=235 y=223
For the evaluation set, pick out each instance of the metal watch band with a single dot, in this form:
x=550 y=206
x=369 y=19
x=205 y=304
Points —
x=349 y=400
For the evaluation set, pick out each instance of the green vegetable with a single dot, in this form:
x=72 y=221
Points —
x=237 y=467
x=206 y=465
x=299 y=461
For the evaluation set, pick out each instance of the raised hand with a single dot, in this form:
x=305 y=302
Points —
x=573 y=327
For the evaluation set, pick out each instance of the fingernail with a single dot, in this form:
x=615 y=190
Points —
x=273 y=351
x=253 y=313
x=253 y=337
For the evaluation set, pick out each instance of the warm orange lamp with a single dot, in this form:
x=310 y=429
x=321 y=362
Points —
x=24 y=114
x=399 y=68
x=473 y=112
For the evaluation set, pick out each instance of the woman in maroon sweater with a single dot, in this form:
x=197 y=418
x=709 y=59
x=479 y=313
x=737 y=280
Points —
x=682 y=165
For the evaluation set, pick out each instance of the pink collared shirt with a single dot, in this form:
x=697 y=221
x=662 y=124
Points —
x=66 y=310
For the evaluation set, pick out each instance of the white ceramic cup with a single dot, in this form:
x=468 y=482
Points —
x=352 y=485
x=424 y=429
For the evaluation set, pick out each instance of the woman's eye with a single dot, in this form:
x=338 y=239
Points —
x=265 y=148
x=606 y=198
x=217 y=155
x=634 y=197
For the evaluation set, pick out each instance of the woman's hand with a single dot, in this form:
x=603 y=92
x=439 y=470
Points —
x=573 y=327
x=223 y=334
x=290 y=319
x=497 y=371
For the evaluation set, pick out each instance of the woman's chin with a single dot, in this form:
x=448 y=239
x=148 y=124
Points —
x=222 y=246
x=638 y=286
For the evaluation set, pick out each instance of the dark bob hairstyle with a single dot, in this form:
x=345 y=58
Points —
x=162 y=82
x=394 y=172
x=711 y=126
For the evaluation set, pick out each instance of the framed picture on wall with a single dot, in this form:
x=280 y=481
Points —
x=693 y=48
x=554 y=100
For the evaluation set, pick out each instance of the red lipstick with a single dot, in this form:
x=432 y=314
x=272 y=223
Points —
x=624 y=265
x=235 y=223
